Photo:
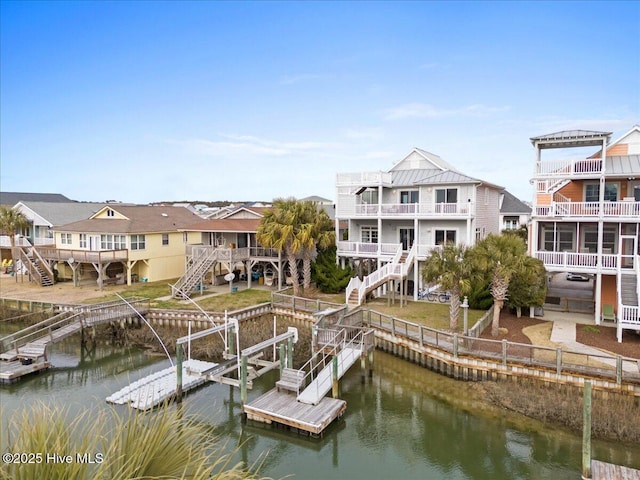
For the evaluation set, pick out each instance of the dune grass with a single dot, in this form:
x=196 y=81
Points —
x=161 y=444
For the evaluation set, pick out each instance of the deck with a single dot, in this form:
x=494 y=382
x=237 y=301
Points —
x=152 y=390
x=608 y=471
x=283 y=408
x=13 y=370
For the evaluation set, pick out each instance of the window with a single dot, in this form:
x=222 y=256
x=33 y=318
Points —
x=369 y=234
x=106 y=242
x=561 y=241
x=409 y=196
x=444 y=236
x=592 y=192
x=83 y=240
x=608 y=239
x=110 y=213
x=369 y=196
x=65 y=238
x=165 y=239
x=511 y=223
x=138 y=242
x=119 y=242
x=447 y=195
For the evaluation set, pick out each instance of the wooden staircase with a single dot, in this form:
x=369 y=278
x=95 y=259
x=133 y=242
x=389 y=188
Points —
x=38 y=269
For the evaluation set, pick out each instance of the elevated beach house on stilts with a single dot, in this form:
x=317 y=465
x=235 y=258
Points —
x=586 y=216
x=228 y=245
x=396 y=218
x=122 y=244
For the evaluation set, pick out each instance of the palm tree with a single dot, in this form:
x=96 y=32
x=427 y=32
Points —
x=452 y=269
x=11 y=222
x=279 y=229
x=315 y=231
x=502 y=256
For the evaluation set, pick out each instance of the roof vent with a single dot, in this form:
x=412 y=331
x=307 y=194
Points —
x=164 y=214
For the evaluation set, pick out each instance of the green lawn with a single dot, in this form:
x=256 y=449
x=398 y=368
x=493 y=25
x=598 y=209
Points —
x=434 y=315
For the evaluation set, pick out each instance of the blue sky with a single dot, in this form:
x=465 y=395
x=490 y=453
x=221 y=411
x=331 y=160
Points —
x=149 y=101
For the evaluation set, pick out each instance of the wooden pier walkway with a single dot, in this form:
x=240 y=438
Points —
x=152 y=390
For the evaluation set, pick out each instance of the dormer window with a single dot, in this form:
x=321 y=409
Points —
x=110 y=213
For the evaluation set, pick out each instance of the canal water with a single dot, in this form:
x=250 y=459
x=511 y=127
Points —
x=404 y=422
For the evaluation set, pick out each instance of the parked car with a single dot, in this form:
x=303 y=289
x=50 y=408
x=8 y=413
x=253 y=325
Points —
x=578 y=277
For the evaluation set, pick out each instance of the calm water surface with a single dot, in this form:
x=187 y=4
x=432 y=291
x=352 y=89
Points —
x=405 y=422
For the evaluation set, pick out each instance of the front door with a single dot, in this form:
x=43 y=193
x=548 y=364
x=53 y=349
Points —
x=407 y=237
x=94 y=242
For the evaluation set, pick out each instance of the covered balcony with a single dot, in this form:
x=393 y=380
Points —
x=623 y=209
x=383 y=251
x=569 y=168
x=411 y=210
x=577 y=261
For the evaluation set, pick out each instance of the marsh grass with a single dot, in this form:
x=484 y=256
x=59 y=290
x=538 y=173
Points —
x=161 y=445
x=615 y=416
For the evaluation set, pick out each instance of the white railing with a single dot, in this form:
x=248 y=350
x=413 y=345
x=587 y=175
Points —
x=362 y=249
x=409 y=209
x=425 y=250
x=589 y=209
x=569 y=167
x=363 y=179
x=547 y=186
x=573 y=260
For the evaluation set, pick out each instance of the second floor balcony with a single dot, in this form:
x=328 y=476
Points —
x=623 y=209
x=411 y=210
x=382 y=251
x=83 y=256
x=569 y=168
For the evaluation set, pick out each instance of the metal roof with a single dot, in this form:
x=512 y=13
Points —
x=626 y=165
x=568 y=138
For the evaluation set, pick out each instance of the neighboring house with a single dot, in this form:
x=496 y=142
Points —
x=9 y=199
x=514 y=213
x=44 y=217
x=229 y=244
x=123 y=243
x=396 y=218
x=586 y=215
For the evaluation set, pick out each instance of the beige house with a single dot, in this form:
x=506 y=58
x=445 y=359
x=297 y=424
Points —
x=123 y=244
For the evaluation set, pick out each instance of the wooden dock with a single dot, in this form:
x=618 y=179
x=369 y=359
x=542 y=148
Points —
x=283 y=408
x=152 y=390
x=13 y=370
x=608 y=471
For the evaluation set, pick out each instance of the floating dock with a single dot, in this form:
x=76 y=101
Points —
x=12 y=370
x=608 y=471
x=152 y=390
x=283 y=408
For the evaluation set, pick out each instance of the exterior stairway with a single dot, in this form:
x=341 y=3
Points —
x=396 y=269
x=628 y=290
x=37 y=267
x=202 y=260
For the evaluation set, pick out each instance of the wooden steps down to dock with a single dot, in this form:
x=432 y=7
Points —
x=283 y=408
x=152 y=390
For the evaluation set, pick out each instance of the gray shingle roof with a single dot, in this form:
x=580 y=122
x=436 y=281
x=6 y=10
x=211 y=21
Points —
x=511 y=204
x=59 y=213
x=11 y=198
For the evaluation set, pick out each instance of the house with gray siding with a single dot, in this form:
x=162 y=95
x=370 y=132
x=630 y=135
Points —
x=395 y=219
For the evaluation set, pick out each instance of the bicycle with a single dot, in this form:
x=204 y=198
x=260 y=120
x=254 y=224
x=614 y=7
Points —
x=444 y=297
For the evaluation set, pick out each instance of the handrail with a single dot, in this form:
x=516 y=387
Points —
x=341 y=344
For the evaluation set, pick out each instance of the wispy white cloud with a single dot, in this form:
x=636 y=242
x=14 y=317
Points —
x=426 y=110
x=234 y=144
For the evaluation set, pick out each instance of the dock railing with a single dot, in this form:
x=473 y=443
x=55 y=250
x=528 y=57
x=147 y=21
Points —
x=621 y=369
x=341 y=339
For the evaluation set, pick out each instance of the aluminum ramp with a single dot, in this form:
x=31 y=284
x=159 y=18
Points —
x=321 y=385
